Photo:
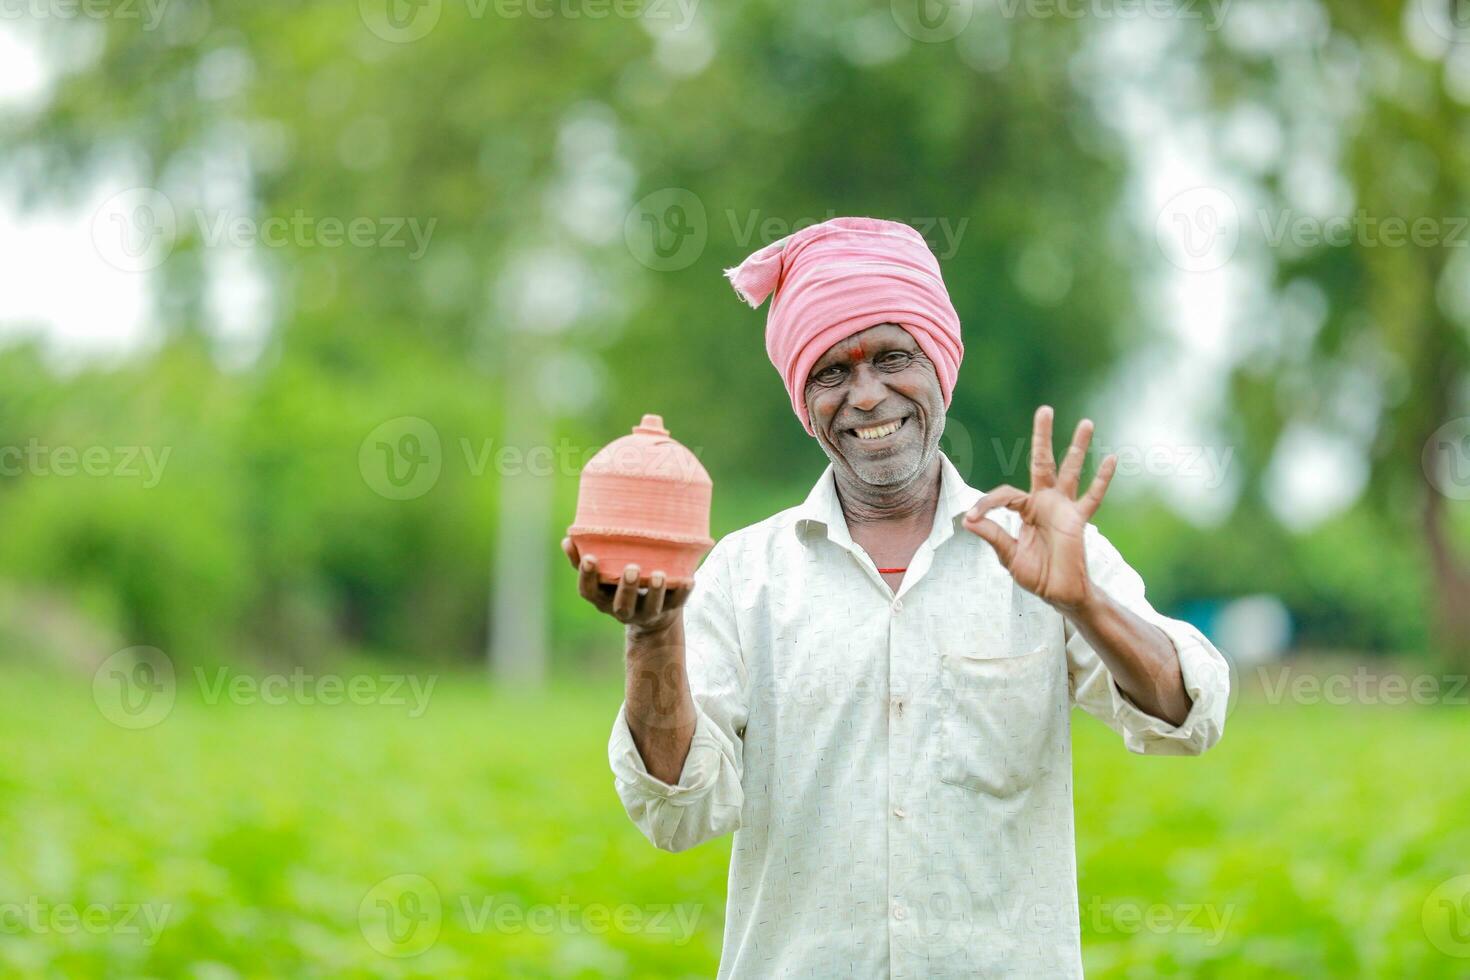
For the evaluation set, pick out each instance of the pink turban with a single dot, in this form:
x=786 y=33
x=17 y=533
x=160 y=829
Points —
x=841 y=277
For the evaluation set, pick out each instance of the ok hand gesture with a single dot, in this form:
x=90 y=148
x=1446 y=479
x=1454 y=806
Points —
x=1047 y=559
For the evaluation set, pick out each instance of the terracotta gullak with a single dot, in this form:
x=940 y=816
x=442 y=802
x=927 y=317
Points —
x=644 y=499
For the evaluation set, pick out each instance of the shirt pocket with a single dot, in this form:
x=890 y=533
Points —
x=1000 y=723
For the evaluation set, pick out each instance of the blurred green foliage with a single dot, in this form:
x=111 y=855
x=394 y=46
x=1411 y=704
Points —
x=260 y=537
x=266 y=539
x=521 y=142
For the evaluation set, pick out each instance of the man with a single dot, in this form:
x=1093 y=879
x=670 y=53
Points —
x=872 y=690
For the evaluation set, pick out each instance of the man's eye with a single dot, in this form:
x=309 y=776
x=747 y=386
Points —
x=895 y=360
x=828 y=376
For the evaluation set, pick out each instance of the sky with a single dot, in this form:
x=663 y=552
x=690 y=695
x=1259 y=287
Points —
x=55 y=282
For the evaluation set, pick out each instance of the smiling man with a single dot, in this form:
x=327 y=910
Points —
x=872 y=689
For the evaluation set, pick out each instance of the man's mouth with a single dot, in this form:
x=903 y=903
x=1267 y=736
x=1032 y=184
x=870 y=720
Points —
x=874 y=433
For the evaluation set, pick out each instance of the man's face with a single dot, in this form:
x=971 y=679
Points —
x=863 y=385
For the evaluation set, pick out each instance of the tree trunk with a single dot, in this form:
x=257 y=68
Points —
x=1450 y=577
x=1451 y=585
x=525 y=541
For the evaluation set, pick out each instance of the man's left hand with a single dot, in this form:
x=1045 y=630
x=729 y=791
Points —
x=1048 y=558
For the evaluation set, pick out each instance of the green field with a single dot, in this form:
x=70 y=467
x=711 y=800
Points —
x=257 y=840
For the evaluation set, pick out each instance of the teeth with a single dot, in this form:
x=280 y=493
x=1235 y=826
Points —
x=879 y=431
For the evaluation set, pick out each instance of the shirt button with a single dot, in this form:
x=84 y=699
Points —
x=898 y=605
x=899 y=913
x=900 y=812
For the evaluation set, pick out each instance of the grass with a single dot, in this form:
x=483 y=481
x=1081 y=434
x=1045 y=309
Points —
x=266 y=840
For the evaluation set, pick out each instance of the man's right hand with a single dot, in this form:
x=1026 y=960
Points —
x=644 y=611
x=659 y=707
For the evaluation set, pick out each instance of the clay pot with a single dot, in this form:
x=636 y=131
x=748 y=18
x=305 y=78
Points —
x=644 y=499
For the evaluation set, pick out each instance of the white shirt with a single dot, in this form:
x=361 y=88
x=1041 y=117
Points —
x=896 y=768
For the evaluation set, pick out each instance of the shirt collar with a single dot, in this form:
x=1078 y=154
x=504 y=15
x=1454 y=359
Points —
x=823 y=510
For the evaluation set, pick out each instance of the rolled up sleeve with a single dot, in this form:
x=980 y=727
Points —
x=1205 y=672
x=707 y=800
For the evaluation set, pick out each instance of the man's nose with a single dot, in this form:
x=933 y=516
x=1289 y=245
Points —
x=867 y=389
